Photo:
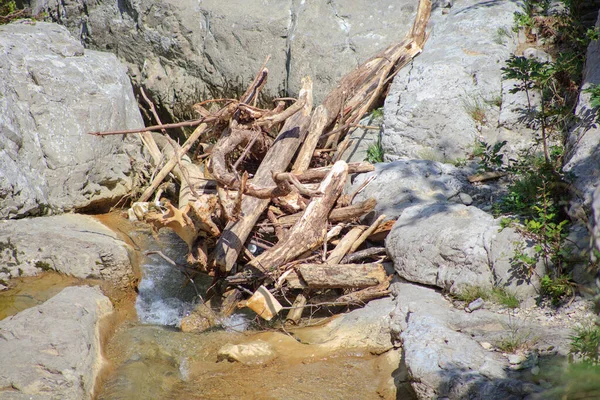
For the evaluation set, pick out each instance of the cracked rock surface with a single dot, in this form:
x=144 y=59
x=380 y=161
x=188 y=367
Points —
x=184 y=51
x=52 y=93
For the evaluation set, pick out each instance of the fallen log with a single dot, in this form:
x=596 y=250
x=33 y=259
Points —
x=310 y=230
x=325 y=276
x=365 y=295
x=371 y=252
x=277 y=159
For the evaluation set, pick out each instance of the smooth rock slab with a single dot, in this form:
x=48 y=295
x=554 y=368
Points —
x=52 y=93
x=52 y=351
x=71 y=244
x=406 y=183
x=443 y=349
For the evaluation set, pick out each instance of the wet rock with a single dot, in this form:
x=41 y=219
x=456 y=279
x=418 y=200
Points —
x=406 y=183
x=201 y=319
x=366 y=329
x=219 y=46
x=52 y=351
x=53 y=94
x=255 y=353
x=429 y=111
x=71 y=244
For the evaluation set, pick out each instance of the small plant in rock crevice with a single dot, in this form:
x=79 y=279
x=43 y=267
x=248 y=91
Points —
x=375 y=152
x=517 y=337
x=594 y=91
x=491 y=158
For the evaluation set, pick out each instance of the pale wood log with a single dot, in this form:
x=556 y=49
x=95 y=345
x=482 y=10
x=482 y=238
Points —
x=325 y=276
x=344 y=245
x=337 y=215
x=310 y=230
x=366 y=234
x=277 y=159
x=485 y=176
x=295 y=313
x=317 y=174
x=319 y=121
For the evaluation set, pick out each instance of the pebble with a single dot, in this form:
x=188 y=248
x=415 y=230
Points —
x=486 y=345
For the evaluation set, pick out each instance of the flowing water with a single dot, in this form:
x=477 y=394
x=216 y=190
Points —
x=148 y=357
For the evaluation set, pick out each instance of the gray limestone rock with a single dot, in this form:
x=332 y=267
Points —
x=406 y=183
x=52 y=94
x=52 y=351
x=71 y=244
x=583 y=152
x=443 y=348
x=184 y=51
x=453 y=246
x=428 y=108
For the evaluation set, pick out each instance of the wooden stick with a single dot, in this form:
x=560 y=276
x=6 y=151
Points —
x=310 y=230
x=172 y=162
x=337 y=215
x=326 y=276
x=277 y=159
x=366 y=234
x=155 y=127
x=295 y=313
x=344 y=245
x=318 y=123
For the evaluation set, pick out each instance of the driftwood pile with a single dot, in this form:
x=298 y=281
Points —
x=261 y=208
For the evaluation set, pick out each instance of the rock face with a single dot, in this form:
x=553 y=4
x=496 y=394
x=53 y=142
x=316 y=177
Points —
x=53 y=350
x=183 y=51
x=429 y=111
x=76 y=245
x=406 y=183
x=52 y=94
x=442 y=349
x=453 y=246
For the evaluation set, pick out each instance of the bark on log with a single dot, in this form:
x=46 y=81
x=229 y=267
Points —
x=310 y=230
x=371 y=252
x=365 y=295
x=277 y=159
x=324 y=276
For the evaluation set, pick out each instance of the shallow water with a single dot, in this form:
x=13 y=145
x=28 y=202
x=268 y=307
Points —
x=32 y=291
x=149 y=358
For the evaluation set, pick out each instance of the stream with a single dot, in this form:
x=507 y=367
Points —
x=149 y=357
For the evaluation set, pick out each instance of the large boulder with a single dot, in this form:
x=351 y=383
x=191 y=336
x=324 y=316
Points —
x=184 y=51
x=71 y=244
x=52 y=94
x=440 y=105
x=445 y=349
x=454 y=247
x=52 y=351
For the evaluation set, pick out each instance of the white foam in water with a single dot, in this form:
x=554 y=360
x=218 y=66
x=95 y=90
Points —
x=161 y=311
x=156 y=303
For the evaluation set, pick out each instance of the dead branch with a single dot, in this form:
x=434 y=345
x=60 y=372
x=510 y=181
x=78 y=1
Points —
x=310 y=230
